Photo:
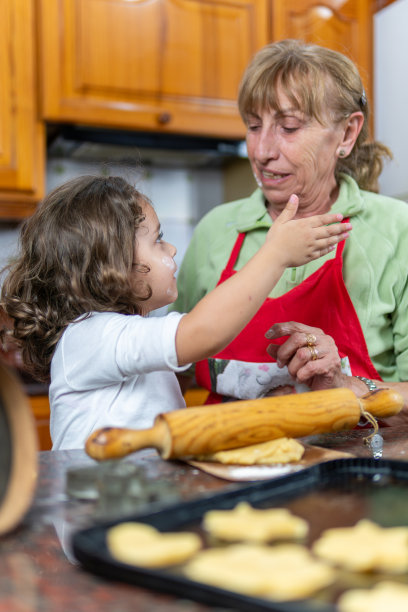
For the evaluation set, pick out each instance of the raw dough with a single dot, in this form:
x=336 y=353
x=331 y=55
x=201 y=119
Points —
x=365 y=547
x=283 y=572
x=141 y=544
x=281 y=450
x=384 y=597
x=246 y=523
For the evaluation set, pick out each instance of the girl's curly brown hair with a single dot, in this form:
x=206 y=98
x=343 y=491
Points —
x=75 y=257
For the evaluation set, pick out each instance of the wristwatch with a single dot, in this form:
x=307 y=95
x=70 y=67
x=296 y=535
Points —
x=370 y=383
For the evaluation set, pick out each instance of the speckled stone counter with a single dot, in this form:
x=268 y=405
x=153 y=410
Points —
x=38 y=571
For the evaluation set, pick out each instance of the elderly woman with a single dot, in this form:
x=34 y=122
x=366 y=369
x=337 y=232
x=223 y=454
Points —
x=342 y=320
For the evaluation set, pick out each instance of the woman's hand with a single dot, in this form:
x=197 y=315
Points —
x=312 y=358
x=310 y=355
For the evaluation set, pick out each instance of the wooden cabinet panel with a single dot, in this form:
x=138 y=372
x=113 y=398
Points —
x=40 y=407
x=344 y=26
x=167 y=65
x=195 y=396
x=22 y=150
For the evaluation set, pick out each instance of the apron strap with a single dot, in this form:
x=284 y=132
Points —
x=340 y=245
x=234 y=253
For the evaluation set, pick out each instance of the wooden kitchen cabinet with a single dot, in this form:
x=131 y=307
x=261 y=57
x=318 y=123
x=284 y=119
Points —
x=22 y=140
x=345 y=26
x=162 y=65
x=166 y=66
x=40 y=407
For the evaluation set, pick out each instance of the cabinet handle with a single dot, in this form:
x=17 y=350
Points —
x=164 y=118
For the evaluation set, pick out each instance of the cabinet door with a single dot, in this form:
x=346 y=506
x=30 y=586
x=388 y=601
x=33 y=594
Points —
x=168 y=65
x=344 y=26
x=22 y=150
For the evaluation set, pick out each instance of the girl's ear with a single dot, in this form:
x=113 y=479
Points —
x=352 y=129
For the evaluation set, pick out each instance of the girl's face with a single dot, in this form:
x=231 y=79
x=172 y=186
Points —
x=292 y=153
x=152 y=252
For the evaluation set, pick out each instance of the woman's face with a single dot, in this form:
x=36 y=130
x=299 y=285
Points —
x=292 y=153
x=156 y=255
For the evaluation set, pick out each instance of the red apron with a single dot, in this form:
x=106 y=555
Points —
x=321 y=300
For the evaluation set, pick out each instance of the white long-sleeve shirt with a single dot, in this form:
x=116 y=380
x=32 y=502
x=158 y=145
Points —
x=112 y=370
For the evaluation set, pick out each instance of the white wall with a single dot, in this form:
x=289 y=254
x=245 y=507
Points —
x=391 y=94
x=8 y=242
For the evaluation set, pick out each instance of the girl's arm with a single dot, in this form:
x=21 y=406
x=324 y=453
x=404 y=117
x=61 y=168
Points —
x=221 y=314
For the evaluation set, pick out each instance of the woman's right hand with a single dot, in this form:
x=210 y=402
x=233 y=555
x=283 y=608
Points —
x=312 y=358
x=310 y=355
x=302 y=240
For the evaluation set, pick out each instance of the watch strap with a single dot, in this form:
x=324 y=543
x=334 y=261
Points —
x=370 y=383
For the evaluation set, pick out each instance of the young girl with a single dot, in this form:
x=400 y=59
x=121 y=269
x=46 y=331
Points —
x=92 y=265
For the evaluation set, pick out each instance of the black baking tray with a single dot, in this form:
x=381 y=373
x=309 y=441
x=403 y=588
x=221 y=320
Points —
x=332 y=494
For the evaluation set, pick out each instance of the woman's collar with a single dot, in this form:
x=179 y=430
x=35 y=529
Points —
x=350 y=201
x=253 y=213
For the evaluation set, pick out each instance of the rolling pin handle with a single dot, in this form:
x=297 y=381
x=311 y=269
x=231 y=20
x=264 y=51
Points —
x=116 y=442
x=382 y=403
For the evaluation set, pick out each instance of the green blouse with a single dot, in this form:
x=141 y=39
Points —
x=375 y=265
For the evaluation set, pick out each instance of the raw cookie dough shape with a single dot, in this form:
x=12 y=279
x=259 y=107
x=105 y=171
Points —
x=261 y=570
x=245 y=523
x=141 y=544
x=365 y=547
x=281 y=450
x=384 y=597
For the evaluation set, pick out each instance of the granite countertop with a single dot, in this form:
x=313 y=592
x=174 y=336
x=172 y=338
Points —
x=37 y=569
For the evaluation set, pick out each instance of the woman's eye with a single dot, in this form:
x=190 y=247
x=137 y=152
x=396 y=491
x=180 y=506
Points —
x=289 y=129
x=159 y=237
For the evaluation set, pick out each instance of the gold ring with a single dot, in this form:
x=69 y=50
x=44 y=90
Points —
x=310 y=339
x=313 y=352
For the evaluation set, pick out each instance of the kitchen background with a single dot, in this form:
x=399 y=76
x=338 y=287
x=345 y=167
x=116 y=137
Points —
x=185 y=182
x=78 y=96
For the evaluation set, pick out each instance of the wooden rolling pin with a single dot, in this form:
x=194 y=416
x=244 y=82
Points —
x=207 y=429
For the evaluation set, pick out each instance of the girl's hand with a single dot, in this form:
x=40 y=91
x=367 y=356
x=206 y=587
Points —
x=301 y=240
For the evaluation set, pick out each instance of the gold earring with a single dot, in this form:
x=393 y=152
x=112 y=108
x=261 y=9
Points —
x=342 y=153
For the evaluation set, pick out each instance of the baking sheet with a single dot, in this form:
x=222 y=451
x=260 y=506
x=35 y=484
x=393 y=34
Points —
x=332 y=494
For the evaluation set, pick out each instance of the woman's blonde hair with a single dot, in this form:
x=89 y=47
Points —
x=321 y=83
x=75 y=257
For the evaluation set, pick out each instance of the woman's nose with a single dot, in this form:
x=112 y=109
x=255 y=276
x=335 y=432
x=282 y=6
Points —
x=267 y=147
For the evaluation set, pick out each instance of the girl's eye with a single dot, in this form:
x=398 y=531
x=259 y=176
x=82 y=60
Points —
x=159 y=237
